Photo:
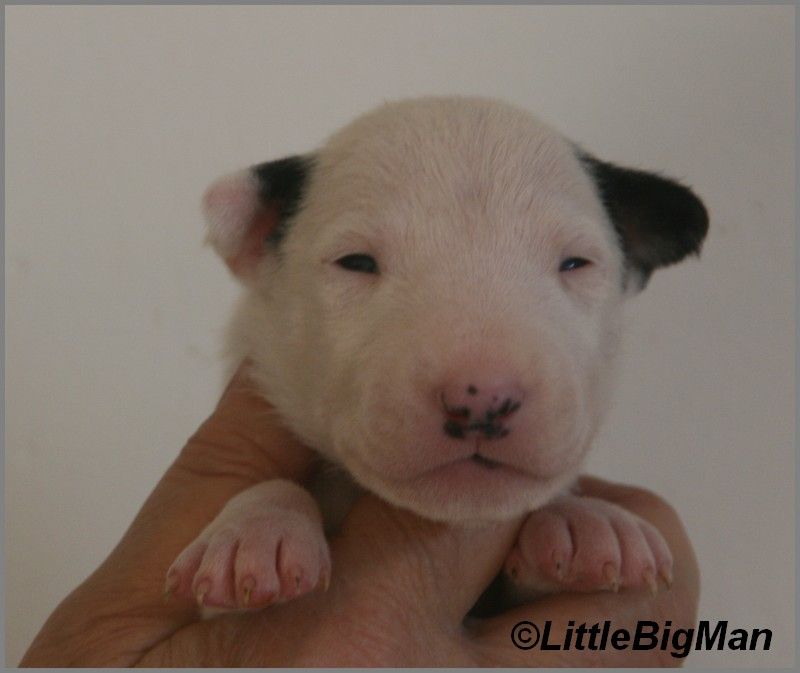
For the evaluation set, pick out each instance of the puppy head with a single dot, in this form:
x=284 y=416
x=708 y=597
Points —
x=433 y=298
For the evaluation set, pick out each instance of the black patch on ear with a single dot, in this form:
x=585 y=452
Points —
x=659 y=221
x=282 y=183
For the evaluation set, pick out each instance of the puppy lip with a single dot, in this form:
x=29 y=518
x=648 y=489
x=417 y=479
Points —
x=482 y=460
x=478 y=462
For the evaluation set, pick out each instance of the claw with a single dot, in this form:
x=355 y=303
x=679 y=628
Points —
x=650 y=580
x=201 y=591
x=326 y=581
x=561 y=570
x=170 y=585
x=611 y=576
x=666 y=574
x=247 y=588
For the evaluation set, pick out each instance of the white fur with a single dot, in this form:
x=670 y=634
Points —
x=468 y=206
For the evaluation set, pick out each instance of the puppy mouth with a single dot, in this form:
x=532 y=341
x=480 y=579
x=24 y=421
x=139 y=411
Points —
x=483 y=461
x=477 y=463
x=471 y=486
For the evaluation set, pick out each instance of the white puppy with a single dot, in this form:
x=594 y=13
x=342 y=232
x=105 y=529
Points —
x=432 y=302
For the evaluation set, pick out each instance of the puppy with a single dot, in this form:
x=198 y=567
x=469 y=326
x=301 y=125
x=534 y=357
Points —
x=432 y=302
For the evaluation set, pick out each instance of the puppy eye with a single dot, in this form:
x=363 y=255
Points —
x=358 y=262
x=572 y=263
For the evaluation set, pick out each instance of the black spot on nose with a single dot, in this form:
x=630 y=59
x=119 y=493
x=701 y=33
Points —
x=508 y=407
x=464 y=420
x=489 y=429
x=458 y=413
x=455 y=429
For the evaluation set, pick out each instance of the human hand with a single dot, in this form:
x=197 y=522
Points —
x=401 y=586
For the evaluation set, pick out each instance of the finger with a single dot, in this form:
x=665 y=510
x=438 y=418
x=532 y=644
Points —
x=393 y=573
x=240 y=444
x=556 y=615
x=244 y=437
x=612 y=491
x=432 y=570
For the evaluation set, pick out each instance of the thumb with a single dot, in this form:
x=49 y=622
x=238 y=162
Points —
x=417 y=567
x=240 y=444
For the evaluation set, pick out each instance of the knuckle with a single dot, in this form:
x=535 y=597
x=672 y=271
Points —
x=647 y=504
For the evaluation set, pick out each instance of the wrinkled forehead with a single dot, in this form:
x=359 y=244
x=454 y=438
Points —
x=470 y=169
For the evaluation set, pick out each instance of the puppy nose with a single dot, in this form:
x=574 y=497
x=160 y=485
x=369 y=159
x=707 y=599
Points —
x=479 y=407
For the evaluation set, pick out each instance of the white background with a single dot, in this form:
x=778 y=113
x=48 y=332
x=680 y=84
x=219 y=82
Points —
x=117 y=118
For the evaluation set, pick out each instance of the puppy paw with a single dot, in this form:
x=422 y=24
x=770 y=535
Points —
x=260 y=550
x=585 y=544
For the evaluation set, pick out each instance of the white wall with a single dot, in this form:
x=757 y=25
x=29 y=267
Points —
x=117 y=117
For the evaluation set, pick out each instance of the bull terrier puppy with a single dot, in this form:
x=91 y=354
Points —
x=432 y=302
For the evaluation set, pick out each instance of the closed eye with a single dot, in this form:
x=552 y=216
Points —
x=358 y=262
x=573 y=263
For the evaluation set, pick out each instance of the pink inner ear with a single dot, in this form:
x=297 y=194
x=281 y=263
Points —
x=253 y=244
x=238 y=224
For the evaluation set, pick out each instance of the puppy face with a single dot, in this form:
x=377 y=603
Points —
x=433 y=298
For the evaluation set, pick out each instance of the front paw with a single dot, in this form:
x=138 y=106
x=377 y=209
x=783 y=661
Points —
x=258 y=551
x=585 y=544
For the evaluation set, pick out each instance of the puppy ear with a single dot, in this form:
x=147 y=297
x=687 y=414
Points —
x=247 y=212
x=659 y=221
